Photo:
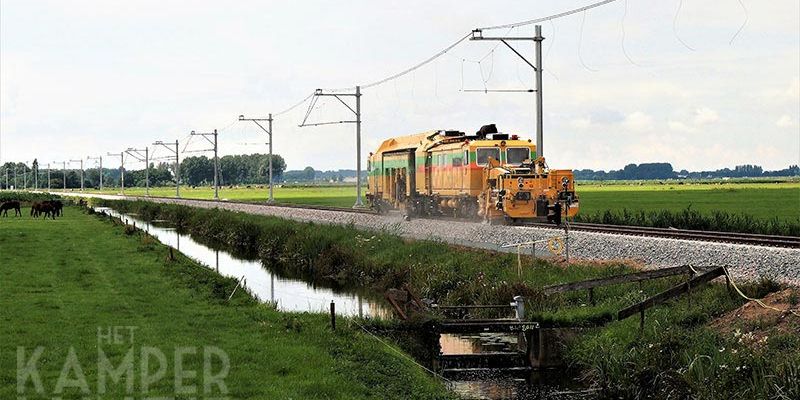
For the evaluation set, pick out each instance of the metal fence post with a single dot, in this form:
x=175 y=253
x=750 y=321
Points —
x=519 y=307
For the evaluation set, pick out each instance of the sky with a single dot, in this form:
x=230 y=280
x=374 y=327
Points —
x=700 y=84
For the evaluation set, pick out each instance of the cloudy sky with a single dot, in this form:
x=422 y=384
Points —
x=636 y=81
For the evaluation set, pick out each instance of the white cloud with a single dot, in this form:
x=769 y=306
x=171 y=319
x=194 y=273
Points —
x=785 y=121
x=705 y=115
x=580 y=123
x=638 y=121
x=680 y=127
x=793 y=91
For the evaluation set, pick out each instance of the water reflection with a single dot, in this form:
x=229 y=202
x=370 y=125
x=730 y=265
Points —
x=511 y=382
x=478 y=343
x=288 y=294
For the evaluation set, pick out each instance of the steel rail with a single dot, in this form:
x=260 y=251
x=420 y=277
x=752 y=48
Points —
x=685 y=234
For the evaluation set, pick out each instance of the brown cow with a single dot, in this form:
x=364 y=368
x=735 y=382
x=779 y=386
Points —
x=45 y=208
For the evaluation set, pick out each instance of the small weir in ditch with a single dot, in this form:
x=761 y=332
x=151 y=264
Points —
x=478 y=363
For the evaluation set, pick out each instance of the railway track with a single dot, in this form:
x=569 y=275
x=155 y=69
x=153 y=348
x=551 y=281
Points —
x=685 y=234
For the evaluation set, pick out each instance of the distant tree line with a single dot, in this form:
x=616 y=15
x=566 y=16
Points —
x=665 y=171
x=309 y=174
x=254 y=169
x=234 y=170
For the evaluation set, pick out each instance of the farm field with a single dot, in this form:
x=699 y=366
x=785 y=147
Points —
x=761 y=200
x=65 y=284
x=332 y=196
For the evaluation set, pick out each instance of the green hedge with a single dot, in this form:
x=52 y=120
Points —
x=25 y=197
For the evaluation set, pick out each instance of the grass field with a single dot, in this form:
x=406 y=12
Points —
x=66 y=282
x=334 y=196
x=761 y=200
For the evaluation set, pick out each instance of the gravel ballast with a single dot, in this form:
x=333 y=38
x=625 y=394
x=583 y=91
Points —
x=745 y=262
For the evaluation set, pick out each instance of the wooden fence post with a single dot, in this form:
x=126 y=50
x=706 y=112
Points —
x=641 y=322
x=333 y=315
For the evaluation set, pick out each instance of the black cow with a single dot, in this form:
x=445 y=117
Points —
x=9 y=205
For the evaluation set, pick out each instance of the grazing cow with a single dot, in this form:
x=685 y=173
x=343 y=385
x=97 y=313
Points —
x=58 y=207
x=46 y=208
x=9 y=205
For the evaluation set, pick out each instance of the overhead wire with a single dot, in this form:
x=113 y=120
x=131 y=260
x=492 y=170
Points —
x=580 y=43
x=419 y=65
x=447 y=49
x=675 y=26
x=622 y=42
x=510 y=26
x=546 y=53
x=228 y=126
x=550 y=17
x=292 y=107
x=746 y=17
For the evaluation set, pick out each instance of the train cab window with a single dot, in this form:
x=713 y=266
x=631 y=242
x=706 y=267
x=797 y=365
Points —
x=484 y=153
x=516 y=155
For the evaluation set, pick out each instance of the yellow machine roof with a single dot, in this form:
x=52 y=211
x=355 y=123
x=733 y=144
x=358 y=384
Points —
x=404 y=142
x=430 y=139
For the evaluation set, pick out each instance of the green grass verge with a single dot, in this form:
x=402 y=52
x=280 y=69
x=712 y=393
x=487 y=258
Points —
x=332 y=196
x=63 y=280
x=679 y=356
x=613 y=357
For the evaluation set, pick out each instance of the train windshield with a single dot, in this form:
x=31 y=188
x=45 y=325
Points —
x=486 y=152
x=516 y=155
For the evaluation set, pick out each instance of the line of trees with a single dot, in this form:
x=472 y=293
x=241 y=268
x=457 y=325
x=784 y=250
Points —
x=254 y=169
x=665 y=171
x=309 y=174
x=234 y=170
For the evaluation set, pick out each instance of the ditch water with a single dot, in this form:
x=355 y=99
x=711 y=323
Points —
x=288 y=294
x=295 y=295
